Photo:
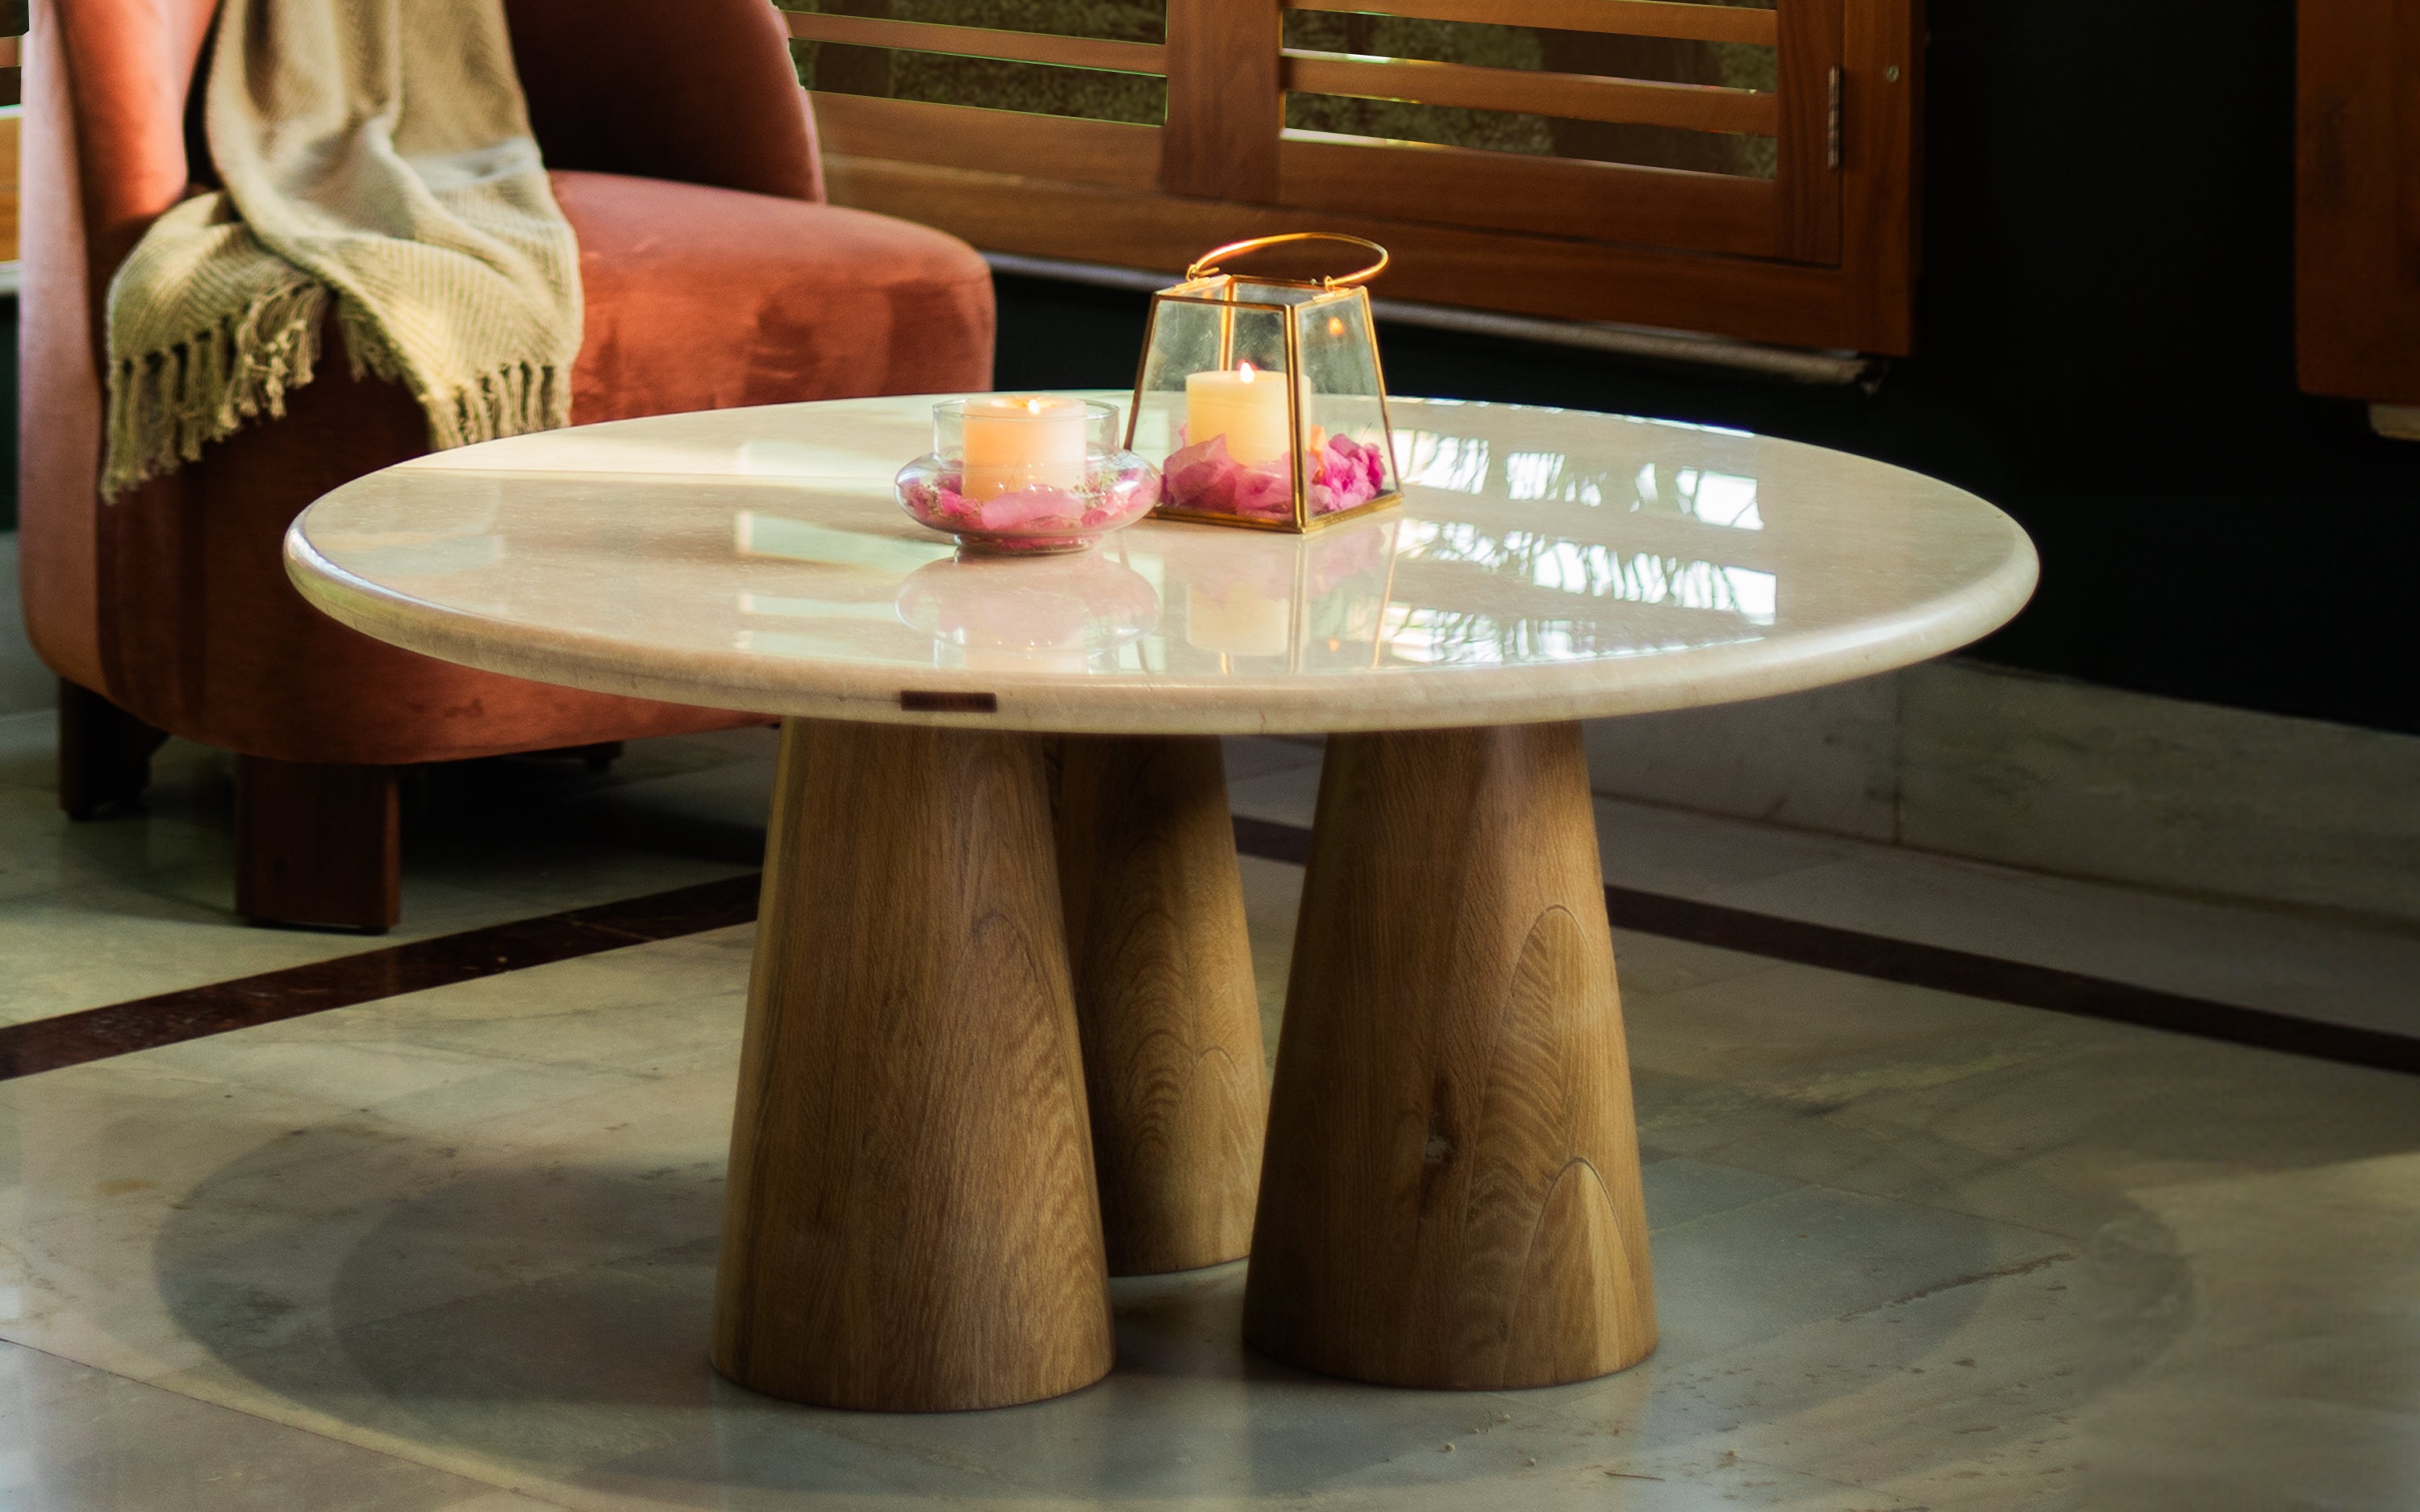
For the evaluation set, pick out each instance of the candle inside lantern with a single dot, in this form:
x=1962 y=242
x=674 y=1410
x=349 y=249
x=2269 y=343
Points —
x=1247 y=406
x=1014 y=442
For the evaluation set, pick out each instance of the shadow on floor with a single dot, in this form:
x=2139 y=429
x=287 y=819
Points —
x=551 y=1314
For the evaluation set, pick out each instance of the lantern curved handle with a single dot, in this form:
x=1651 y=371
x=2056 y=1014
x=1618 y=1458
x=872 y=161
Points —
x=1208 y=262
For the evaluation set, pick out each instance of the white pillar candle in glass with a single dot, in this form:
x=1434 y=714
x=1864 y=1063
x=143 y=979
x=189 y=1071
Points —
x=1247 y=406
x=1019 y=441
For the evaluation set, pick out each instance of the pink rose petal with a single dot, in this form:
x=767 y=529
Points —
x=1027 y=508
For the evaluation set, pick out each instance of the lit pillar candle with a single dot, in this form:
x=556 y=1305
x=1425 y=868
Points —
x=1017 y=442
x=1248 y=407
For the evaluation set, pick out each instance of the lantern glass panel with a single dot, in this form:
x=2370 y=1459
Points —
x=1262 y=398
x=1200 y=334
x=1350 y=462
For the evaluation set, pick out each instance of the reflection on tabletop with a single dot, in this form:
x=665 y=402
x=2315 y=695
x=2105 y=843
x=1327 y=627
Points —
x=1526 y=537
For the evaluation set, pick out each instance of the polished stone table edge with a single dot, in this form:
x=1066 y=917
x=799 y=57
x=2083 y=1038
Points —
x=1140 y=704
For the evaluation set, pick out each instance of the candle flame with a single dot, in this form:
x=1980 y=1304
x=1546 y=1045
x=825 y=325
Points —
x=1244 y=371
x=1335 y=325
x=1033 y=407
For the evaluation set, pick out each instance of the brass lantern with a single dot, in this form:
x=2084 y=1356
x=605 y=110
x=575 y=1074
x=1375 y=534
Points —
x=1262 y=398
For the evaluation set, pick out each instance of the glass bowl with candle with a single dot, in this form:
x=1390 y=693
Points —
x=1026 y=475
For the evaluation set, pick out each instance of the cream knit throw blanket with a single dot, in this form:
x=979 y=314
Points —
x=377 y=152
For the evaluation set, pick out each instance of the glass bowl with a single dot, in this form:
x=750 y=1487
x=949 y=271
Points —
x=1029 y=476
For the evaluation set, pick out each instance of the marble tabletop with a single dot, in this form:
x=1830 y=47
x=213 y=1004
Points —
x=1545 y=564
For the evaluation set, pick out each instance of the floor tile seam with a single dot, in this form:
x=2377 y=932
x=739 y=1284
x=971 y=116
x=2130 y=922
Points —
x=532 y=1021
x=2037 y=988
x=846 y=1423
x=368 y=1440
x=2097 y=892
x=2116 y=974
x=1867 y=850
x=323 y=1334
x=1798 y=1186
x=174 y=1380
x=1711 y=1367
x=465 y=1162
x=425 y=1054
x=1873 y=853
x=468 y=1160
x=1837 y=1189
x=1874 y=1061
x=384 y=1451
x=147 y=1373
x=412 y=1142
x=48 y=1352
x=1709 y=891
x=2026 y=983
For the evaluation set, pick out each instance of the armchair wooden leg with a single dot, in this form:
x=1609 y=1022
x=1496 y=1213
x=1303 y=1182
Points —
x=317 y=844
x=104 y=752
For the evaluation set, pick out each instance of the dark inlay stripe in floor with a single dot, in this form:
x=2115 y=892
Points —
x=145 y=1022
x=1947 y=970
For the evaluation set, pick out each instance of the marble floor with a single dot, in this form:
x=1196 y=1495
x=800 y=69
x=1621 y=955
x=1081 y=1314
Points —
x=129 y=906
x=453 y=1250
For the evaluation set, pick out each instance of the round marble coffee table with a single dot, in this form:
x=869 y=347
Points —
x=1001 y=1035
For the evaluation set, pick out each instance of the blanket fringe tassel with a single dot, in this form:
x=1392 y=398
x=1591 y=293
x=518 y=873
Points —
x=166 y=406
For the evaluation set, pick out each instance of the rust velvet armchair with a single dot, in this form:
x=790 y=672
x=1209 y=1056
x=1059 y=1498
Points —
x=682 y=153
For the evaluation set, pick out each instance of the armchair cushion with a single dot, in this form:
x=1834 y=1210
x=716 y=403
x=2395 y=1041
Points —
x=704 y=298
x=696 y=298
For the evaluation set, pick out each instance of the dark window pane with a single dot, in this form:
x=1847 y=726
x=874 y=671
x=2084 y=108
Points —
x=1654 y=147
x=1122 y=21
x=1040 y=87
x=1731 y=65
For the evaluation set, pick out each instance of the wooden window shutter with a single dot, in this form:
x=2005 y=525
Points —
x=1609 y=203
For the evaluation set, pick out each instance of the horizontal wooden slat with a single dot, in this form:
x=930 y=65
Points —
x=999 y=141
x=979 y=41
x=11 y=52
x=1791 y=304
x=1622 y=18
x=1549 y=196
x=1575 y=96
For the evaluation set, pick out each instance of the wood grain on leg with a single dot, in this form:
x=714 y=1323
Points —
x=1164 y=995
x=911 y=1222
x=1451 y=1193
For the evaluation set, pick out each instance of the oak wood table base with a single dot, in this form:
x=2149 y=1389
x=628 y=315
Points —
x=1451 y=1193
x=1164 y=995
x=912 y=1222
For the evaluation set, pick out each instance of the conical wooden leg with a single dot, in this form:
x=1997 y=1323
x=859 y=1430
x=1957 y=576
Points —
x=1164 y=995
x=1451 y=1193
x=911 y=1222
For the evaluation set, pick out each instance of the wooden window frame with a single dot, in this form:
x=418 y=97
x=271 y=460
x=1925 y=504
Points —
x=1823 y=255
